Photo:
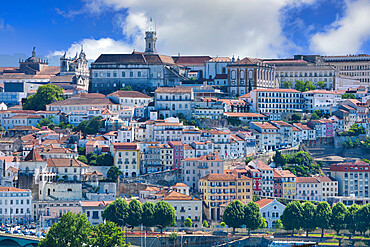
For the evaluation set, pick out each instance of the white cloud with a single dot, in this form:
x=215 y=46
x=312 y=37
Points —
x=347 y=34
x=93 y=48
x=192 y=27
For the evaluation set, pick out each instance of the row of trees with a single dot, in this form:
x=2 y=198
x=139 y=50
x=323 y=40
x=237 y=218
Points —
x=237 y=215
x=75 y=230
x=131 y=215
x=97 y=160
x=308 y=217
x=303 y=86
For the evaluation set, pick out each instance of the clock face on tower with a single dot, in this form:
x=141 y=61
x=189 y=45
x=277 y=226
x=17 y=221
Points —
x=149 y=35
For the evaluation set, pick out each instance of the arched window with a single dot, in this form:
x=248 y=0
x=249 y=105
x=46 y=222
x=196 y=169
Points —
x=233 y=75
x=69 y=189
x=242 y=74
x=223 y=70
x=250 y=74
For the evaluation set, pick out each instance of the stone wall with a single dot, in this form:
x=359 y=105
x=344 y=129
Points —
x=164 y=178
x=339 y=140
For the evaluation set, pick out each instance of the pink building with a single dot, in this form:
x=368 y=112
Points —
x=178 y=153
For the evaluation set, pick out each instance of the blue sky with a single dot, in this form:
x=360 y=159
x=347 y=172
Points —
x=263 y=28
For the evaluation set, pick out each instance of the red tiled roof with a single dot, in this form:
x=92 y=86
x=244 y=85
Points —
x=176 y=196
x=263 y=202
x=129 y=94
x=173 y=90
x=12 y=189
x=306 y=180
x=222 y=177
x=187 y=60
x=33 y=156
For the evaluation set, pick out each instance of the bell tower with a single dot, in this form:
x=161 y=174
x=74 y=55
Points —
x=150 y=42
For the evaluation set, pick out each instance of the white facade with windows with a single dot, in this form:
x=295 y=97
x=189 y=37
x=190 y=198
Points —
x=15 y=205
x=322 y=100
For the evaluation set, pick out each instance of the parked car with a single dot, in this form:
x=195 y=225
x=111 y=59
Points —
x=15 y=232
x=8 y=232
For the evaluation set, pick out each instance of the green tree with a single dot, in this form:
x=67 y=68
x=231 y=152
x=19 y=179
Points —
x=47 y=121
x=320 y=84
x=126 y=88
x=234 y=214
x=362 y=218
x=299 y=85
x=205 y=224
x=105 y=160
x=82 y=150
x=91 y=156
x=350 y=221
x=279 y=158
x=348 y=96
x=164 y=215
x=135 y=212
x=188 y=222
x=263 y=224
x=248 y=159
x=287 y=84
x=223 y=224
x=147 y=217
x=339 y=212
x=296 y=118
x=113 y=173
x=94 y=126
x=72 y=230
x=90 y=127
x=252 y=216
x=45 y=95
x=107 y=235
x=278 y=224
x=323 y=216
x=292 y=216
x=82 y=158
x=308 y=222
x=117 y=212
x=308 y=86
x=314 y=116
x=234 y=121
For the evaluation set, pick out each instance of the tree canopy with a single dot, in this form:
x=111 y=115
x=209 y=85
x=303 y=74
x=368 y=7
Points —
x=320 y=84
x=108 y=235
x=105 y=160
x=362 y=218
x=44 y=95
x=72 y=230
x=348 y=96
x=304 y=86
x=252 y=216
x=113 y=173
x=90 y=127
x=339 y=212
x=287 y=84
x=234 y=214
x=292 y=216
x=164 y=214
x=308 y=222
x=134 y=215
x=188 y=222
x=148 y=214
x=117 y=212
x=323 y=216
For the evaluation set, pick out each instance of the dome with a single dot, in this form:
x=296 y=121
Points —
x=33 y=59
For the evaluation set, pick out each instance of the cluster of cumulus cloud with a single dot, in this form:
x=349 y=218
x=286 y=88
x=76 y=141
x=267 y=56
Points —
x=218 y=27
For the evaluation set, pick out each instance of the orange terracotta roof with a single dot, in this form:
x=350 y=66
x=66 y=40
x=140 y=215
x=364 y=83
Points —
x=222 y=177
x=263 y=202
x=33 y=156
x=176 y=196
x=12 y=189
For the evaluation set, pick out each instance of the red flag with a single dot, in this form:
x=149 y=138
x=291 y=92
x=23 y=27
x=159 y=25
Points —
x=151 y=19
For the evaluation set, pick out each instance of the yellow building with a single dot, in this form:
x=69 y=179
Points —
x=217 y=189
x=127 y=158
x=285 y=184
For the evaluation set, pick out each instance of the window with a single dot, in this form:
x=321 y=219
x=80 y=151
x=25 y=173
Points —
x=131 y=74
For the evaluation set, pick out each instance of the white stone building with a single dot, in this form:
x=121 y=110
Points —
x=271 y=210
x=322 y=100
x=15 y=205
